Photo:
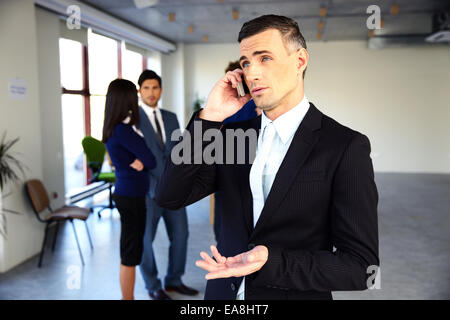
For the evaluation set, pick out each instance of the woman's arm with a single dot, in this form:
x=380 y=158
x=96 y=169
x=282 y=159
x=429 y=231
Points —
x=130 y=140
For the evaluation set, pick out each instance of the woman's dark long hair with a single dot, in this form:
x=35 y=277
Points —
x=121 y=102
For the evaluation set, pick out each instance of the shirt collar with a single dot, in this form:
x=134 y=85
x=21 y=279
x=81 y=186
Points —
x=286 y=124
x=149 y=108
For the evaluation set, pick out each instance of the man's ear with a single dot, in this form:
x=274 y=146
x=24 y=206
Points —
x=302 y=60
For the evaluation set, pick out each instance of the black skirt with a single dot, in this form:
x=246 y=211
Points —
x=132 y=217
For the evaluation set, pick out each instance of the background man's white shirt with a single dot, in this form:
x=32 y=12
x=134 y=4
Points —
x=149 y=112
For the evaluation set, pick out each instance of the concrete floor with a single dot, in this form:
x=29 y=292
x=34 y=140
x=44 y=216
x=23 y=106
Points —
x=414 y=225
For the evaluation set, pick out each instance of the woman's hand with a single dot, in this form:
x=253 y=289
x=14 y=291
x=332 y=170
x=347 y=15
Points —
x=137 y=165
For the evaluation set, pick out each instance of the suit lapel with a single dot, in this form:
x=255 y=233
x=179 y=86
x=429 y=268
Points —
x=303 y=142
x=243 y=174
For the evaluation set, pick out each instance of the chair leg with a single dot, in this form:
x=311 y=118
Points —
x=55 y=235
x=78 y=244
x=89 y=235
x=111 y=205
x=43 y=245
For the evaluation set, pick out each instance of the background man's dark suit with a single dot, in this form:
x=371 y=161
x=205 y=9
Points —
x=324 y=195
x=175 y=221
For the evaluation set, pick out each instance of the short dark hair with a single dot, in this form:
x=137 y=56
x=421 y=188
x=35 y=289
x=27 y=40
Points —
x=149 y=74
x=290 y=32
x=233 y=65
x=121 y=102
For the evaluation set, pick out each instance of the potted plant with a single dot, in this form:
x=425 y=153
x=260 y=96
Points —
x=10 y=168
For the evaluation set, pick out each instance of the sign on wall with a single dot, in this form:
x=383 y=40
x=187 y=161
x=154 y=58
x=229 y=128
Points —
x=17 y=89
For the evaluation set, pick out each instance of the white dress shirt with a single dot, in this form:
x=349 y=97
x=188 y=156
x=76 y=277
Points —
x=150 y=115
x=269 y=156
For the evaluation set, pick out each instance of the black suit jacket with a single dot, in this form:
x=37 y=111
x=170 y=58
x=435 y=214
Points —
x=323 y=196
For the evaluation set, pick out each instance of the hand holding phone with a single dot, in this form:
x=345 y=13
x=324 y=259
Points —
x=223 y=101
x=240 y=89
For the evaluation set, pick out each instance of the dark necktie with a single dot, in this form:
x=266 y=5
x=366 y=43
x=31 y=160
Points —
x=158 y=129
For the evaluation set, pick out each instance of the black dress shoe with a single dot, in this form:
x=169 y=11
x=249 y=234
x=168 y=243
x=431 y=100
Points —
x=159 y=295
x=182 y=289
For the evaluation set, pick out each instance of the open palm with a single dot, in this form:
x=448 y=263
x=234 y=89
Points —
x=240 y=265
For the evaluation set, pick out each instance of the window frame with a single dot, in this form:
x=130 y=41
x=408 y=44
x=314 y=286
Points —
x=85 y=92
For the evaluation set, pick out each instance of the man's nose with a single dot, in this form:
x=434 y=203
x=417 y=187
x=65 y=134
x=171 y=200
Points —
x=253 y=73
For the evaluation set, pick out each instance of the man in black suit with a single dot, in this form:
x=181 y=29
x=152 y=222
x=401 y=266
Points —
x=299 y=219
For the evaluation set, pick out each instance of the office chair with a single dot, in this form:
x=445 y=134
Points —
x=38 y=196
x=95 y=152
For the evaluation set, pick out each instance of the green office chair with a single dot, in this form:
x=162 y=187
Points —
x=95 y=152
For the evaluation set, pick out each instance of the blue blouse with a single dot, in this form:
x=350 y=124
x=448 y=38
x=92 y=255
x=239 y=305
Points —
x=124 y=146
x=247 y=112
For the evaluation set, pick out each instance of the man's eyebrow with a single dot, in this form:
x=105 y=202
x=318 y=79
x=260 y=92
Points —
x=256 y=53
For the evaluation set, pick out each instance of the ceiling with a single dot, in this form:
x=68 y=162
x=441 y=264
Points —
x=344 y=19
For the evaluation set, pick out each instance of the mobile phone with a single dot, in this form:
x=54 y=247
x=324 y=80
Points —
x=242 y=88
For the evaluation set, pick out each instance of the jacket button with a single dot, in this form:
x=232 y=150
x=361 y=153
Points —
x=233 y=287
x=251 y=246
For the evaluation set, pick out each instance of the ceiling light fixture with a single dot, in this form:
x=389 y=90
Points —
x=235 y=14
x=140 y=4
x=394 y=9
x=320 y=25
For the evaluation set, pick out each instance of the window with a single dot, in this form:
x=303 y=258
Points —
x=154 y=62
x=103 y=68
x=132 y=65
x=72 y=103
x=86 y=72
x=71 y=63
x=103 y=62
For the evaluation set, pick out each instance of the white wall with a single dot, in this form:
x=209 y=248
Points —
x=173 y=82
x=50 y=104
x=204 y=65
x=20 y=118
x=399 y=98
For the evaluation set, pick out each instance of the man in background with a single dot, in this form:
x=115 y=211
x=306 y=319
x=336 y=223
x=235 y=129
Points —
x=157 y=126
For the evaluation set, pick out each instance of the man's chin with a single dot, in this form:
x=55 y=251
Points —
x=150 y=103
x=264 y=106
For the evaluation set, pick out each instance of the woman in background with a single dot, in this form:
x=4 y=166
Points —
x=132 y=159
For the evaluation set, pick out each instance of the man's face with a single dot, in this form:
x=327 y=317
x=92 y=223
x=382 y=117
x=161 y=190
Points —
x=150 y=92
x=271 y=72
